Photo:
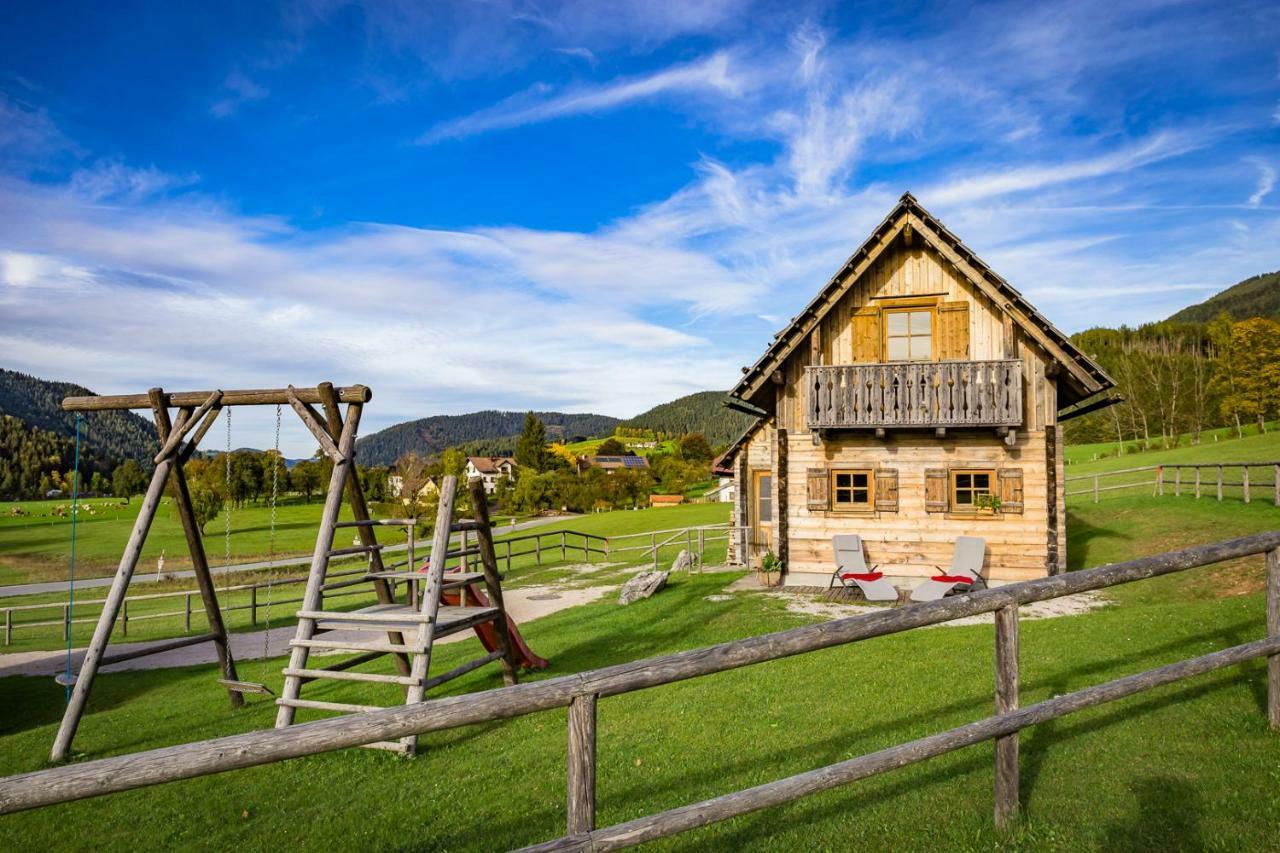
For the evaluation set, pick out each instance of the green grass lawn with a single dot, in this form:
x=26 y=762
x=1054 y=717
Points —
x=556 y=567
x=1191 y=766
x=1136 y=454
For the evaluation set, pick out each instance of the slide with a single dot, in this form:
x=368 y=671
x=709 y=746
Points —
x=525 y=657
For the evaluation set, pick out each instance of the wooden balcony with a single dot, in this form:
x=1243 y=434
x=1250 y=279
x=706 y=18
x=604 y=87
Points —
x=915 y=394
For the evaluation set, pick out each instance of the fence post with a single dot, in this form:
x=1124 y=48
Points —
x=66 y=622
x=1006 y=701
x=1197 y=482
x=186 y=618
x=582 y=764
x=702 y=545
x=1160 y=480
x=564 y=552
x=1095 y=488
x=253 y=605
x=537 y=550
x=586 y=548
x=1275 y=484
x=124 y=618
x=1177 y=482
x=8 y=625
x=1273 y=630
x=1244 y=481
x=1219 y=482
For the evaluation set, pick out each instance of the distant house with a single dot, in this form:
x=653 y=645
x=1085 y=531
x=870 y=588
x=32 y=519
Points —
x=395 y=485
x=610 y=464
x=665 y=500
x=488 y=469
x=722 y=493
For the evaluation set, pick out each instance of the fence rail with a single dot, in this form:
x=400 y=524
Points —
x=1166 y=478
x=581 y=693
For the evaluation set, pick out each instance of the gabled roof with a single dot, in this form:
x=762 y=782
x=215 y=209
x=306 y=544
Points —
x=726 y=459
x=489 y=464
x=1081 y=376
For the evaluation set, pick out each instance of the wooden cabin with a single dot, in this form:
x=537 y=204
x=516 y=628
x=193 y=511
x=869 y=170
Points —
x=917 y=398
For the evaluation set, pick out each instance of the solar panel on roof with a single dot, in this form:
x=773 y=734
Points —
x=633 y=462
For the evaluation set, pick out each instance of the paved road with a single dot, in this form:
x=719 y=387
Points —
x=143 y=576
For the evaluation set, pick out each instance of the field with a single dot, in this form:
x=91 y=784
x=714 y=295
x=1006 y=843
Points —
x=1135 y=453
x=1192 y=766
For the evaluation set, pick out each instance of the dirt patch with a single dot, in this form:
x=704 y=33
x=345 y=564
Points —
x=1071 y=605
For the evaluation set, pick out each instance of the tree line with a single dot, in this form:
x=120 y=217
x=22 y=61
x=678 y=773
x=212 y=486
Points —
x=1181 y=378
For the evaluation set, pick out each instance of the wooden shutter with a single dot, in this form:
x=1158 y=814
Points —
x=953 y=330
x=887 y=490
x=1011 y=490
x=935 y=489
x=816 y=483
x=866 y=334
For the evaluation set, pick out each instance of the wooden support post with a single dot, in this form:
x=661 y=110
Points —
x=1219 y=482
x=66 y=623
x=1177 y=482
x=1273 y=630
x=1197 y=482
x=507 y=543
x=1095 y=488
x=110 y=610
x=582 y=764
x=653 y=543
x=564 y=553
x=702 y=545
x=466 y=544
x=124 y=618
x=8 y=625
x=1244 y=481
x=1006 y=792
x=186 y=615
x=1160 y=480
x=537 y=550
x=312 y=597
x=195 y=542
x=492 y=585
x=1275 y=484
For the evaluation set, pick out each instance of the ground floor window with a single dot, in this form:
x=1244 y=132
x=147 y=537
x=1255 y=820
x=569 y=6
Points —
x=971 y=489
x=852 y=489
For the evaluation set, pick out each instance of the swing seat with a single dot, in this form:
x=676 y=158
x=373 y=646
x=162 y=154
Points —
x=246 y=687
x=65 y=680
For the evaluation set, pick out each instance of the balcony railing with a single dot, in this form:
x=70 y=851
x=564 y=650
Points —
x=914 y=394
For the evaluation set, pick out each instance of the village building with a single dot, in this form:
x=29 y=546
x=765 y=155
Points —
x=610 y=464
x=489 y=469
x=916 y=399
x=395 y=485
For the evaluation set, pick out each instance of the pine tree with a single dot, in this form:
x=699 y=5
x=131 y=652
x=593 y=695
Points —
x=531 y=448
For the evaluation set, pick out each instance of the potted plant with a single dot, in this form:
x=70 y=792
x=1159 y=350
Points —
x=769 y=564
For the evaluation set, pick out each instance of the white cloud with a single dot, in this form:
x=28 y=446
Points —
x=1266 y=181
x=711 y=75
x=240 y=90
x=112 y=180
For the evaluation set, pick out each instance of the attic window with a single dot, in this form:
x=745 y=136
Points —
x=908 y=334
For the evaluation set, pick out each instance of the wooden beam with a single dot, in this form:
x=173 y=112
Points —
x=185 y=425
x=190 y=447
x=581 y=785
x=195 y=547
x=1006 y=795
x=1273 y=631
x=492 y=582
x=263 y=397
x=313 y=423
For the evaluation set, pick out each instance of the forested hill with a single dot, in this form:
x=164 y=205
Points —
x=1254 y=297
x=110 y=436
x=702 y=412
x=430 y=436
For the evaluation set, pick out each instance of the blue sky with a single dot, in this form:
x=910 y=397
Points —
x=590 y=206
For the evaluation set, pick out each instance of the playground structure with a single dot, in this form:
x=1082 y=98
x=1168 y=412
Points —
x=421 y=616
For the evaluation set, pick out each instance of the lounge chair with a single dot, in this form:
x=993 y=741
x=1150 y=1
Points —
x=965 y=572
x=851 y=567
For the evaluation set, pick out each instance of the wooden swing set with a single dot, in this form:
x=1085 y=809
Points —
x=422 y=617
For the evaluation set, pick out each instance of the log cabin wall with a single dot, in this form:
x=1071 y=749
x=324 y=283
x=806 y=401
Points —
x=912 y=540
x=757 y=456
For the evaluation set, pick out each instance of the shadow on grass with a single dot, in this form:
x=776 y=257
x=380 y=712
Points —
x=1080 y=535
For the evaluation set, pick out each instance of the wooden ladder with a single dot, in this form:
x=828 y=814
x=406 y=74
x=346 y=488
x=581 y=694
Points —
x=409 y=628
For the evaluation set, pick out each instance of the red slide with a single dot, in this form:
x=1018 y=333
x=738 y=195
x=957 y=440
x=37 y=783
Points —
x=524 y=655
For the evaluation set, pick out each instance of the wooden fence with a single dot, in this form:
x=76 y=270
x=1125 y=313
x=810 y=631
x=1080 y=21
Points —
x=1186 y=478
x=692 y=539
x=581 y=693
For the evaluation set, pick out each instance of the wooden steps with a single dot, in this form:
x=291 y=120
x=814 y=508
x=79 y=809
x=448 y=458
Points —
x=408 y=630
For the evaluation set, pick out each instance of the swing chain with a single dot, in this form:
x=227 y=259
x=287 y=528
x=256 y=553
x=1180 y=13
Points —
x=276 y=462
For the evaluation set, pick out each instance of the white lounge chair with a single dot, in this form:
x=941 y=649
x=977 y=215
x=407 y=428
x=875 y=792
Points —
x=851 y=567
x=965 y=572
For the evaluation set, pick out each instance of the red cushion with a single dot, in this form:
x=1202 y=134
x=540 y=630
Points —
x=965 y=579
x=869 y=576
